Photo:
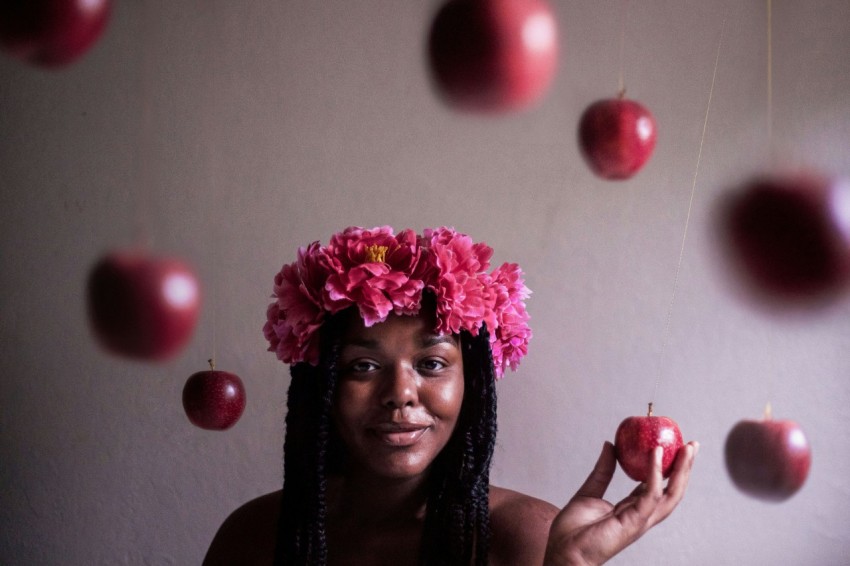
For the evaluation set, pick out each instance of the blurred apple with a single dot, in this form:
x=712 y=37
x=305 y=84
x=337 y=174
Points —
x=493 y=55
x=768 y=459
x=51 y=33
x=789 y=238
x=141 y=306
x=636 y=439
x=616 y=137
x=214 y=399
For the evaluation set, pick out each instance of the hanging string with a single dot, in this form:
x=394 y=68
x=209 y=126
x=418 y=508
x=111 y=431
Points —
x=688 y=216
x=141 y=187
x=770 y=74
x=621 y=83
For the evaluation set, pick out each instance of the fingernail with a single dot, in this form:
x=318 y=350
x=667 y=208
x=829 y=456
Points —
x=696 y=449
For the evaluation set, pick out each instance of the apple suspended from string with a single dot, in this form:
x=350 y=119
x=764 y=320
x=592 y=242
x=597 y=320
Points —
x=51 y=33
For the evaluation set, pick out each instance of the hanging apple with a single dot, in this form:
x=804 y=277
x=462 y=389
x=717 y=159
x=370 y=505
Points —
x=616 y=137
x=637 y=438
x=142 y=306
x=768 y=459
x=789 y=238
x=214 y=399
x=493 y=55
x=51 y=33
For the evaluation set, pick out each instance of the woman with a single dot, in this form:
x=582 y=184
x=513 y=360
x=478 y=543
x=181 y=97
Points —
x=395 y=343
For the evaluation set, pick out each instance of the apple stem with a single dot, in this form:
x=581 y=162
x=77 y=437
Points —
x=622 y=93
x=649 y=411
x=212 y=364
x=768 y=412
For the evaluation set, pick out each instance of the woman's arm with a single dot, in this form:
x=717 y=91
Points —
x=247 y=536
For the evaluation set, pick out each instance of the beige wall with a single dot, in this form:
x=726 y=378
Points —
x=245 y=129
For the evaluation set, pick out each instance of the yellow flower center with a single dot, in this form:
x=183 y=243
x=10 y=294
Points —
x=376 y=254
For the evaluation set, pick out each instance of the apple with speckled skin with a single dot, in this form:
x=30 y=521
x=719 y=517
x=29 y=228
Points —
x=616 y=137
x=788 y=238
x=214 y=399
x=493 y=55
x=51 y=33
x=142 y=306
x=636 y=439
x=768 y=459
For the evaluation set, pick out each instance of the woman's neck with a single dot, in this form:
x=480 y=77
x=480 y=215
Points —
x=366 y=499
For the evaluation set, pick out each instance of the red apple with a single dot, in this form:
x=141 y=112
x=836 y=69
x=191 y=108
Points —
x=214 y=399
x=51 y=33
x=637 y=438
x=768 y=459
x=141 y=306
x=616 y=137
x=789 y=238
x=493 y=55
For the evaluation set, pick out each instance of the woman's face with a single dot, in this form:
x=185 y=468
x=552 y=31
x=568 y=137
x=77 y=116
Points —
x=399 y=394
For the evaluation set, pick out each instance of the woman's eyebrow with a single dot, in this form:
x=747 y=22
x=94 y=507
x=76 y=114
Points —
x=362 y=343
x=434 y=339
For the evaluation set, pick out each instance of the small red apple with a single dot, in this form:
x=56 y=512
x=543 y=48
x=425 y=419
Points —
x=789 y=238
x=214 y=399
x=141 y=306
x=493 y=55
x=637 y=438
x=616 y=137
x=51 y=33
x=768 y=459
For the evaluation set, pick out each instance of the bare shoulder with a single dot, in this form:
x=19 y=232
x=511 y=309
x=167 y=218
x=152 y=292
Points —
x=520 y=527
x=248 y=535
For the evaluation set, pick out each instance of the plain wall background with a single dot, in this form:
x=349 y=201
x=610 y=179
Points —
x=233 y=132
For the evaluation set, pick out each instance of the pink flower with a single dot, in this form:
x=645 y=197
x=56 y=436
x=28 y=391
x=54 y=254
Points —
x=382 y=273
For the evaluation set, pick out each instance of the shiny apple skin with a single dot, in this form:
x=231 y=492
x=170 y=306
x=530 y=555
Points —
x=768 y=459
x=52 y=33
x=637 y=437
x=214 y=399
x=493 y=56
x=616 y=137
x=788 y=237
x=141 y=306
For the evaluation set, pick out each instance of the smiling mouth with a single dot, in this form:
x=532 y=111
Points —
x=399 y=436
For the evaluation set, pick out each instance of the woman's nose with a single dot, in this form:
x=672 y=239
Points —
x=400 y=388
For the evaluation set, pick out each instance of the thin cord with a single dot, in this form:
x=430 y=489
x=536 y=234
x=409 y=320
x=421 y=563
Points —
x=621 y=83
x=688 y=217
x=770 y=73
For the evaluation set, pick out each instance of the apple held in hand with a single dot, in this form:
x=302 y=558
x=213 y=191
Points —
x=141 y=306
x=789 y=238
x=51 y=33
x=214 y=399
x=768 y=459
x=493 y=55
x=637 y=438
x=616 y=137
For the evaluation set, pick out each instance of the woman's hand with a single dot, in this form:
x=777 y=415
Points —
x=590 y=530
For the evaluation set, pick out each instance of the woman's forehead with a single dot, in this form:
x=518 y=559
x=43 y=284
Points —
x=408 y=327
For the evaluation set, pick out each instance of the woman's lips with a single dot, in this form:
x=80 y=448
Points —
x=399 y=435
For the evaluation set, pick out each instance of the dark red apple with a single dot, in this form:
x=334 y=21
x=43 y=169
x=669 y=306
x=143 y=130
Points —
x=493 y=55
x=768 y=459
x=51 y=33
x=637 y=438
x=789 y=238
x=616 y=137
x=142 y=306
x=214 y=399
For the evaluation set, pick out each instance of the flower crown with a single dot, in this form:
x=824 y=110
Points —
x=381 y=273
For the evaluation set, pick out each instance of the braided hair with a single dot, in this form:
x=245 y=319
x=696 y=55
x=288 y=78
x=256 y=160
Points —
x=457 y=519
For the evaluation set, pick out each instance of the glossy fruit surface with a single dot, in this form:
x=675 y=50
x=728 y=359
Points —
x=51 y=33
x=616 y=137
x=768 y=459
x=789 y=238
x=141 y=306
x=493 y=55
x=214 y=399
x=636 y=439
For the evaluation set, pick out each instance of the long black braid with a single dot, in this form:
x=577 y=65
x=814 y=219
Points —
x=457 y=520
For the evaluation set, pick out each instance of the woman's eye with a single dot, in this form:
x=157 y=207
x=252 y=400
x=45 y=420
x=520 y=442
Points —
x=432 y=364
x=361 y=366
